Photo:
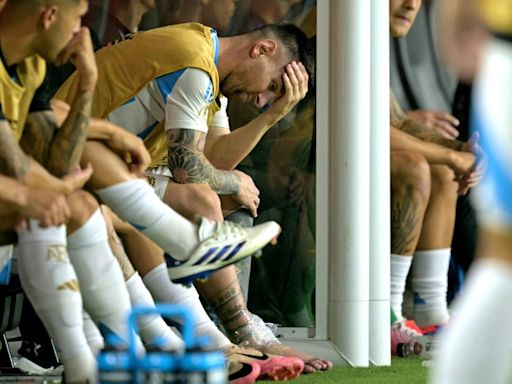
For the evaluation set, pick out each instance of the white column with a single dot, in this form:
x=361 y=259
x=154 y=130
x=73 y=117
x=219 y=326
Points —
x=350 y=173
x=380 y=349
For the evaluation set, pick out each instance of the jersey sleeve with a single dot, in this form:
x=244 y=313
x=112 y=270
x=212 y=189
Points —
x=188 y=103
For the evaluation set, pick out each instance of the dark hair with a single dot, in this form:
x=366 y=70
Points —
x=296 y=42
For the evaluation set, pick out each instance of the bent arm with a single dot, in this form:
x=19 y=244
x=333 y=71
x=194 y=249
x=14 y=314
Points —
x=433 y=153
x=226 y=149
x=188 y=163
x=400 y=120
x=12 y=191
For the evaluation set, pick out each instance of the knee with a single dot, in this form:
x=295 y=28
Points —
x=442 y=179
x=206 y=200
x=82 y=205
x=410 y=170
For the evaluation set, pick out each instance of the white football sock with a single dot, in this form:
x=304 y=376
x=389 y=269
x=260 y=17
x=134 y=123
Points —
x=152 y=326
x=399 y=268
x=101 y=281
x=92 y=334
x=51 y=285
x=476 y=346
x=136 y=202
x=430 y=284
x=164 y=290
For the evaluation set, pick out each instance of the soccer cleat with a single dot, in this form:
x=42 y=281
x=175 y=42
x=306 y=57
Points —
x=403 y=332
x=242 y=373
x=222 y=244
x=276 y=368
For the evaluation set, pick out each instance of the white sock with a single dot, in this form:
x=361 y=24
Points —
x=430 y=284
x=476 y=346
x=51 y=285
x=92 y=334
x=164 y=290
x=136 y=202
x=152 y=326
x=101 y=280
x=400 y=266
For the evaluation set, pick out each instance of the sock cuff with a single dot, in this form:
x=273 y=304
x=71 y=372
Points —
x=432 y=252
x=431 y=263
x=56 y=234
x=400 y=264
x=126 y=188
x=92 y=232
x=154 y=273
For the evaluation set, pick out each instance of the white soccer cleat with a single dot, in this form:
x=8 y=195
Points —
x=222 y=244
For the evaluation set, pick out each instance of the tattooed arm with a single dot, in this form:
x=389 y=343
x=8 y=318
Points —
x=400 y=120
x=188 y=164
x=67 y=146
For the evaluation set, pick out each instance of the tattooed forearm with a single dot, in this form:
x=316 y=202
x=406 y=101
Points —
x=38 y=135
x=67 y=146
x=404 y=220
x=420 y=131
x=417 y=129
x=397 y=114
x=188 y=163
x=13 y=162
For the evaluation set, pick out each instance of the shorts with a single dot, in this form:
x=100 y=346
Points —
x=159 y=178
x=492 y=118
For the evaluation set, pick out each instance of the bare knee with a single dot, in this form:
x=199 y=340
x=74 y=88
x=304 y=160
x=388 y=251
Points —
x=207 y=202
x=82 y=205
x=442 y=180
x=410 y=171
x=192 y=200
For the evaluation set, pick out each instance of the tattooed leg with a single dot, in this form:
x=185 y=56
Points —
x=410 y=183
x=223 y=293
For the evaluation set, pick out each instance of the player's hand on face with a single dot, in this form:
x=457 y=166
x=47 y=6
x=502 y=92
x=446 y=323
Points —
x=443 y=123
x=249 y=193
x=80 y=53
x=295 y=81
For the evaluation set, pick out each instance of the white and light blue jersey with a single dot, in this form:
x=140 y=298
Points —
x=492 y=117
x=182 y=98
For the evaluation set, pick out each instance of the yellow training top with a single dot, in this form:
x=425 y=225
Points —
x=17 y=92
x=141 y=69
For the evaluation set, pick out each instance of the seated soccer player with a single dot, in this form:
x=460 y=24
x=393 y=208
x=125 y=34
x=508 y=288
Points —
x=260 y=67
x=427 y=173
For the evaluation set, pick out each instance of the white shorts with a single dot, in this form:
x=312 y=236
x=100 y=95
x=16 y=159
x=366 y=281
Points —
x=159 y=178
x=492 y=118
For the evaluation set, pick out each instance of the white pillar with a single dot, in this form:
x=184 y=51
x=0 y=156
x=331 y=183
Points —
x=380 y=349
x=350 y=173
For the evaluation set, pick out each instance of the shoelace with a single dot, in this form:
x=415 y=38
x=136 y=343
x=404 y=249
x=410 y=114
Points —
x=226 y=230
